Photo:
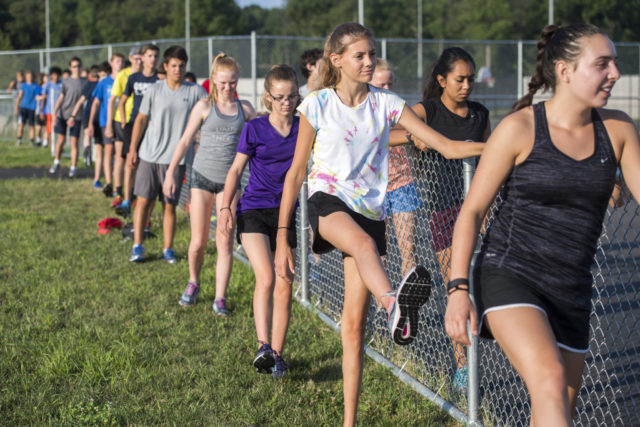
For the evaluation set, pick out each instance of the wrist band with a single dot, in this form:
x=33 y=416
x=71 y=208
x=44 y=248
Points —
x=288 y=228
x=225 y=207
x=460 y=284
x=408 y=135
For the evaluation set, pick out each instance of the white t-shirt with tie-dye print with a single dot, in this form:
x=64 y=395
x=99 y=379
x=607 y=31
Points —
x=351 y=150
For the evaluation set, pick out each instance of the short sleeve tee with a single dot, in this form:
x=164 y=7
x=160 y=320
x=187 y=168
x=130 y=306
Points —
x=351 y=150
x=29 y=93
x=72 y=90
x=102 y=92
x=87 y=92
x=137 y=85
x=270 y=156
x=52 y=91
x=168 y=111
x=118 y=89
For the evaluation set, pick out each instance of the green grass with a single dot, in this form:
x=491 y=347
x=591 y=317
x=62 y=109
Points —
x=12 y=156
x=88 y=338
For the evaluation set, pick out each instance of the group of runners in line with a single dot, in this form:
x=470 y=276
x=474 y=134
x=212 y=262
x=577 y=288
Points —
x=554 y=163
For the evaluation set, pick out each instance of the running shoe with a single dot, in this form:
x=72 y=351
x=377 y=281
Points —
x=280 y=367
x=116 y=201
x=45 y=143
x=97 y=185
x=264 y=360
x=54 y=168
x=87 y=156
x=19 y=142
x=168 y=256
x=137 y=254
x=460 y=380
x=220 y=307
x=190 y=294
x=413 y=292
x=124 y=209
x=73 y=172
x=108 y=190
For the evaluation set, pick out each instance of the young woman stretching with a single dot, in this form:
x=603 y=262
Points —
x=557 y=160
x=220 y=119
x=445 y=106
x=267 y=144
x=347 y=123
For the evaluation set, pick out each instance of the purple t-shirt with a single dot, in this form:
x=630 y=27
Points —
x=270 y=155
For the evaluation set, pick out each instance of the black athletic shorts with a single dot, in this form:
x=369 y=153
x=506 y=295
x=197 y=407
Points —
x=265 y=221
x=61 y=127
x=200 y=182
x=498 y=288
x=28 y=116
x=323 y=204
x=126 y=137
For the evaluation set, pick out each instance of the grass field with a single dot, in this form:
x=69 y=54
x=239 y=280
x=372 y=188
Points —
x=88 y=338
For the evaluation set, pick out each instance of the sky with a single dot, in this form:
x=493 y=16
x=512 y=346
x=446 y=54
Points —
x=267 y=4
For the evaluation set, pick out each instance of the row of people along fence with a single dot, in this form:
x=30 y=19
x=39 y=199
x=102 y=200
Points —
x=610 y=394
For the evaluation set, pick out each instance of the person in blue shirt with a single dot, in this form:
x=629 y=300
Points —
x=49 y=97
x=26 y=105
x=101 y=95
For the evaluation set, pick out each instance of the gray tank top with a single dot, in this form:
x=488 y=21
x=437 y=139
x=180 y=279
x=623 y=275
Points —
x=219 y=135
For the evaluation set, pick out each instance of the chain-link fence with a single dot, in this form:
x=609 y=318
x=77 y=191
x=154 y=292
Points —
x=610 y=389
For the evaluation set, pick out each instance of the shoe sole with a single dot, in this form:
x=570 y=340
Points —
x=264 y=363
x=186 y=303
x=413 y=293
x=136 y=259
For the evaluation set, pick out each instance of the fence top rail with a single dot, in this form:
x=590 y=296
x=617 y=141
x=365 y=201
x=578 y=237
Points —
x=274 y=37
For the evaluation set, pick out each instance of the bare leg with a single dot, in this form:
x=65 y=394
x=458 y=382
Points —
x=118 y=165
x=527 y=340
x=97 y=167
x=107 y=162
x=224 y=247
x=168 y=224
x=140 y=217
x=404 y=226
x=201 y=206
x=129 y=176
x=256 y=246
x=59 y=146
x=73 y=141
x=345 y=234
x=354 y=319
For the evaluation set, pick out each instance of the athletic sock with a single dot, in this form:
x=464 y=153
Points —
x=56 y=162
x=119 y=191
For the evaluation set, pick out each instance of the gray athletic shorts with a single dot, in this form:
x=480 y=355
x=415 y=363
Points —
x=149 y=180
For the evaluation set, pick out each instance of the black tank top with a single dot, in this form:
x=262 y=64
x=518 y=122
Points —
x=549 y=222
x=442 y=178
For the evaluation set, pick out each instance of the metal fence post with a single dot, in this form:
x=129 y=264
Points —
x=519 y=90
x=42 y=69
x=109 y=52
x=303 y=231
x=254 y=68
x=383 y=47
x=472 y=350
x=210 y=52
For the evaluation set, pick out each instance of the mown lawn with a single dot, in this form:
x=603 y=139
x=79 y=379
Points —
x=88 y=338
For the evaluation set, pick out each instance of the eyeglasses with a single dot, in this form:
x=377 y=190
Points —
x=290 y=98
x=74 y=66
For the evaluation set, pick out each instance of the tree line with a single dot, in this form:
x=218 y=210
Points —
x=86 y=22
